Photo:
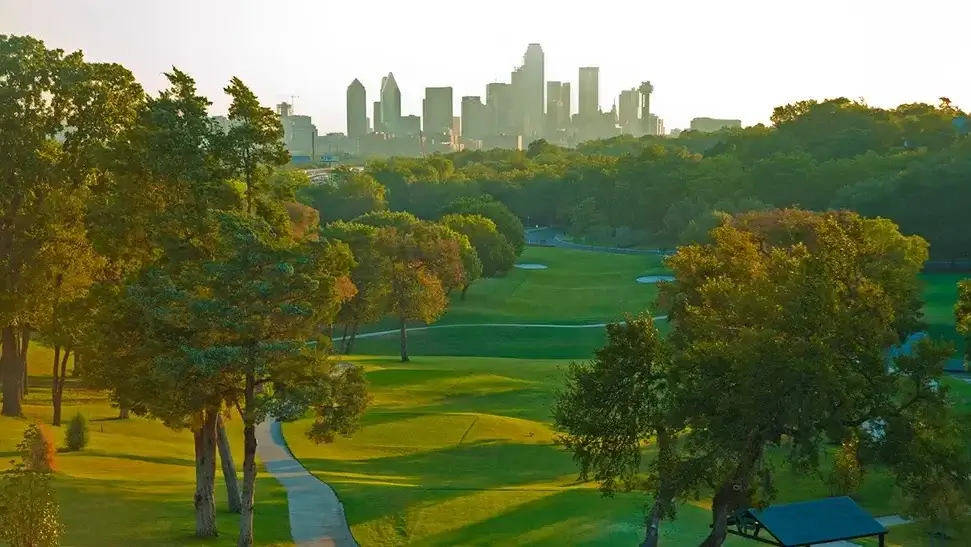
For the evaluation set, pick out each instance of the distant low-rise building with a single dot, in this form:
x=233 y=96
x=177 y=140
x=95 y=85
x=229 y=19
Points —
x=710 y=125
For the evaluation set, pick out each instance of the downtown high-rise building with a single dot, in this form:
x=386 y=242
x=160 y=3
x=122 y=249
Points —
x=437 y=114
x=390 y=104
x=628 y=112
x=356 y=110
x=557 y=107
x=475 y=118
x=499 y=106
x=376 y=121
x=532 y=89
x=589 y=93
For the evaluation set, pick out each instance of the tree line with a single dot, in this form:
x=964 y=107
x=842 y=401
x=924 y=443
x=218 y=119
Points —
x=776 y=360
x=909 y=164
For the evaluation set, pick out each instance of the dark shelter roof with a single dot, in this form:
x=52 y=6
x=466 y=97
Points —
x=807 y=522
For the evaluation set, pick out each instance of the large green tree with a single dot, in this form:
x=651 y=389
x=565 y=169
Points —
x=57 y=115
x=780 y=330
x=240 y=329
x=613 y=406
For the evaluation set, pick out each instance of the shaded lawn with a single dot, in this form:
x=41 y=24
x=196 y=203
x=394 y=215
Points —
x=134 y=483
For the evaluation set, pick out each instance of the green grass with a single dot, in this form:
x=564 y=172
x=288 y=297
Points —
x=577 y=287
x=133 y=484
x=457 y=449
x=940 y=295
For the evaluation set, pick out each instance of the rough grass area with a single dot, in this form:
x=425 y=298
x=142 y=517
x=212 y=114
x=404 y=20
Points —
x=134 y=482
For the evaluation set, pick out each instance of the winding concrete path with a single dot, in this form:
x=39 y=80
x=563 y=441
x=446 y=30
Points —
x=316 y=514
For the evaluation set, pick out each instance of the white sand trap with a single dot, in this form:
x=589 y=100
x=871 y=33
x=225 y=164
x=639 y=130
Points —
x=531 y=266
x=654 y=278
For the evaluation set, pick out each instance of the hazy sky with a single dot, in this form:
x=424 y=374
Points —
x=714 y=58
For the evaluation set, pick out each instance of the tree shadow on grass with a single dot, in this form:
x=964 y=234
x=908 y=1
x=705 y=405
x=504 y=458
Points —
x=439 y=474
x=120 y=513
x=513 y=343
x=163 y=460
x=527 y=403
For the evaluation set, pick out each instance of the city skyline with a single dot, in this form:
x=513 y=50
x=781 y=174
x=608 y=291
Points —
x=707 y=58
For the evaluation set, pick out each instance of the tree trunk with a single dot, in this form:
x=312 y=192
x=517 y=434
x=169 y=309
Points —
x=13 y=375
x=249 y=466
x=24 y=346
x=404 y=341
x=205 y=497
x=123 y=411
x=465 y=289
x=350 y=342
x=76 y=369
x=229 y=468
x=57 y=385
x=344 y=341
x=731 y=496
x=663 y=495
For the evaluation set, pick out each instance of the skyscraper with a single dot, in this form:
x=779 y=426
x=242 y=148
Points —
x=628 y=108
x=475 y=119
x=390 y=104
x=499 y=107
x=533 y=86
x=557 y=112
x=376 y=114
x=356 y=110
x=566 y=101
x=589 y=93
x=437 y=113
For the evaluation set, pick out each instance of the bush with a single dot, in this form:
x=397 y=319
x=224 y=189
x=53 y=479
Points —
x=37 y=449
x=76 y=436
x=29 y=515
x=847 y=474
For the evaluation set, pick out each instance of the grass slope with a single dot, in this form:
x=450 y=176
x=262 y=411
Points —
x=133 y=485
x=458 y=451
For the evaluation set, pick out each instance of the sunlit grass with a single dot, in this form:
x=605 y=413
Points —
x=133 y=484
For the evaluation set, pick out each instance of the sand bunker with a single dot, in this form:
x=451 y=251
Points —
x=654 y=278
x=531 y=266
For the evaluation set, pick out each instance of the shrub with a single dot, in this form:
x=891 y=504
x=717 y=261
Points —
x=847 y=474
x=37 y=449
x=29 y=514
x=76 y=436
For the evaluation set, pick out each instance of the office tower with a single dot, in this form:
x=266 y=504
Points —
x=532 y=91
x=645 y=89
x=390 y=104
x=376 y=114
x=475 y=118
x=284 y=109
x=437 y=113
x=589 y=92
x=356 y=110
x=557 y=113
x=566 y=101
x=498 y=103
x=627 y=111
x=517 y=102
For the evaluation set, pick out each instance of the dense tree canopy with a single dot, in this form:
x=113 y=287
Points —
x=656 y=192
